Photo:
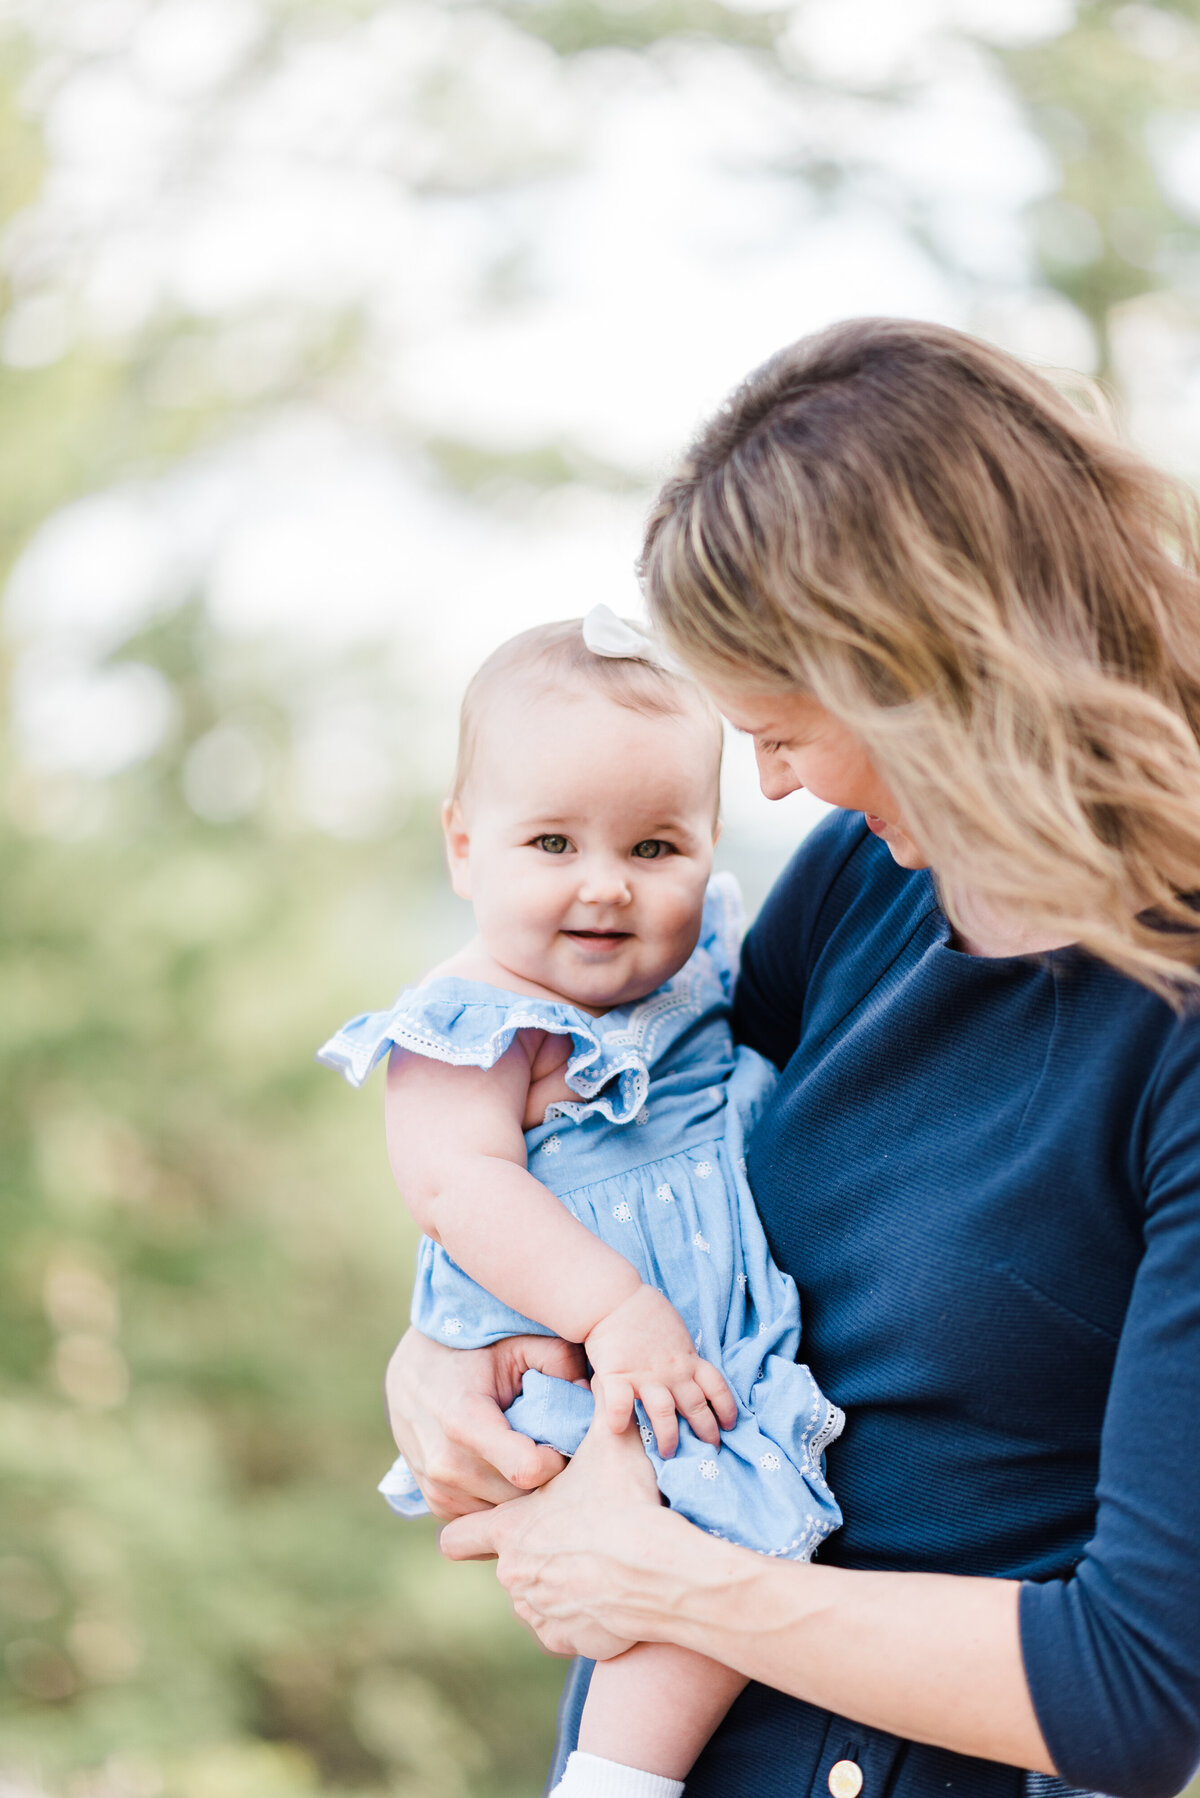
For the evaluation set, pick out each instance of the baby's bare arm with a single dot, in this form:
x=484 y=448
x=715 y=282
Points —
x=458 y=1154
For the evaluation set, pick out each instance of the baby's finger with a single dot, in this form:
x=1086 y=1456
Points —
x=712 y=1385
x=658 y=1402
x=614 y=1400
x=691 y=1403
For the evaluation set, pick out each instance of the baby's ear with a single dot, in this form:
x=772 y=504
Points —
x=458 y=847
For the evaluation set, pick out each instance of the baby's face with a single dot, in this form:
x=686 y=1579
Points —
x=584 y=841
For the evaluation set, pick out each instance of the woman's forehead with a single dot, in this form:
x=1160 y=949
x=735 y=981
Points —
x=755 y=710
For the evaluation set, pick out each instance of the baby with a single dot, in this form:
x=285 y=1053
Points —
x=566 y=1111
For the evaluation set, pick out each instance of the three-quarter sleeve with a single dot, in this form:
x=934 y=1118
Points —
x=1112 y=1653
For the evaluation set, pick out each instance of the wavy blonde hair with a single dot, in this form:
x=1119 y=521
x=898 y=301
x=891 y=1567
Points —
x=998 y=598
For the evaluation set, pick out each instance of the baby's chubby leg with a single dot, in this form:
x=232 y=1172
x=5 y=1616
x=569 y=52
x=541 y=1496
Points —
x=648 y=1714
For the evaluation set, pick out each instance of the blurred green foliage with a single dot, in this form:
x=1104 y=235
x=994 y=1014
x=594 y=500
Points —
x=202 y=1261
x=1097 y=96
x=203 y=1268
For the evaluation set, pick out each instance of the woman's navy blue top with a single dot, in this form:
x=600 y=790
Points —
x=984 y=1175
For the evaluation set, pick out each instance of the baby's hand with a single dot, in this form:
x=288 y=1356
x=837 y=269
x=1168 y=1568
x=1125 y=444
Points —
x=642 y=1350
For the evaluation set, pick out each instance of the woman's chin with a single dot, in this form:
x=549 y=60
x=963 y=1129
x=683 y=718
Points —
x=903 y=850
x=906 y=854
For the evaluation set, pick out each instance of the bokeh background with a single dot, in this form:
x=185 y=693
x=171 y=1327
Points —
x=338 y=340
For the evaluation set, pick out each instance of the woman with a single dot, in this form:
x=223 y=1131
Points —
x=947 y=603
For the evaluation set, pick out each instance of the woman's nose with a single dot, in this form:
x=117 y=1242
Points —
x=774 y=776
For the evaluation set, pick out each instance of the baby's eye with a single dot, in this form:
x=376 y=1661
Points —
x=651 y=850
x=552 y=844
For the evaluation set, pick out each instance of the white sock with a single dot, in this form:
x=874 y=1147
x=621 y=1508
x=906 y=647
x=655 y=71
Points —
x=590 y=1776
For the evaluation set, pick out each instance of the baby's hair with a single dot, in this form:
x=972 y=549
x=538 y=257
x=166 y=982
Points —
x=553 y=656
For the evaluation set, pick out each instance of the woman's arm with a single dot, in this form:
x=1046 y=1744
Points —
x=593 y=1559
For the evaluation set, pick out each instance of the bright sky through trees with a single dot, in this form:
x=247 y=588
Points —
x=452 y=300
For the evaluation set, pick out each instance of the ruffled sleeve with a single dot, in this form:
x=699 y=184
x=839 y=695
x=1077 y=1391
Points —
x=471 y=1025
x=722 y=929
x=468 y=1024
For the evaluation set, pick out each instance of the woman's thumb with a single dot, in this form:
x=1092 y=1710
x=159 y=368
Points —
x=470 y=1538
x=518 y=1459
x=551 y=1355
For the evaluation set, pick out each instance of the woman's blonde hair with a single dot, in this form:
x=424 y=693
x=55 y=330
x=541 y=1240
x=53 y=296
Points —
x=999 y=599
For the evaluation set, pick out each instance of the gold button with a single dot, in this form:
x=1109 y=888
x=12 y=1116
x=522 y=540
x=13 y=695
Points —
x=845 y=1779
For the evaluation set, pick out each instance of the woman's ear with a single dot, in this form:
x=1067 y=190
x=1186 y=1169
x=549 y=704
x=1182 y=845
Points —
x=458 y=847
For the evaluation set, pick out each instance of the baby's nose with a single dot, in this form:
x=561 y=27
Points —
x=605 y=886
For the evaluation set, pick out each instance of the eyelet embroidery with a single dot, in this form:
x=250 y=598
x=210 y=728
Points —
x=621 y=1090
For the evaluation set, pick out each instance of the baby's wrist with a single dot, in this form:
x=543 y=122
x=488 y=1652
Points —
x=624 y=1286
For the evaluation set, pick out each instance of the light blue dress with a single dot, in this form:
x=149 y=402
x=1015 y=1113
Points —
x=650 y=1157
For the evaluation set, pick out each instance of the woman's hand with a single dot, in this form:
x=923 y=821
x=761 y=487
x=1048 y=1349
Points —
x=580 y=1558
x=446 y=1405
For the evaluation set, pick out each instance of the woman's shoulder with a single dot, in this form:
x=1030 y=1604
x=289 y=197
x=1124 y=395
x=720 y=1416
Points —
x=1161 y=1047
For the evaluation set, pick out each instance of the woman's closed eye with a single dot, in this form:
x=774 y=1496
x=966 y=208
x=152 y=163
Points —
x=652 y=849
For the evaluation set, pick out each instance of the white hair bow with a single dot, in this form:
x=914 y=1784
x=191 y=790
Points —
x=607 y=635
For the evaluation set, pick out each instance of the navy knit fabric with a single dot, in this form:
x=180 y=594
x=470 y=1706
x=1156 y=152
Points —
x=984 y=1175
